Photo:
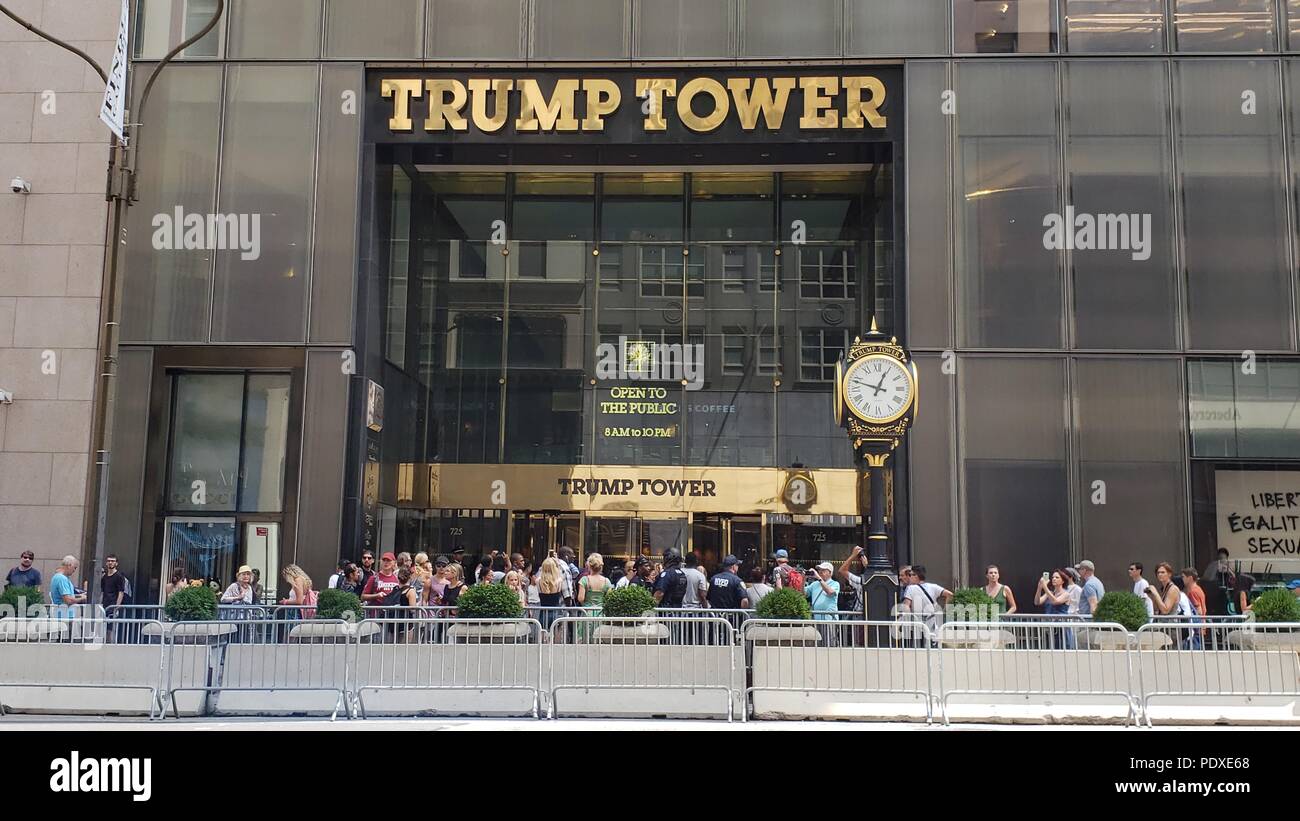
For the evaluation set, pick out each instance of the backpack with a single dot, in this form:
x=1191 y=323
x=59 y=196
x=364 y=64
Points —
x=794 y=579
x=309 y=604
x=674 y=587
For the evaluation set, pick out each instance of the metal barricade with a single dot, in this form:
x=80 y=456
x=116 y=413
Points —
x=1087 y=661
x=225 y=659
x=70 y=654
x=843 y=656
x=1042 y=631
x=1218 y=660
x=400 y=658
x=677 y=652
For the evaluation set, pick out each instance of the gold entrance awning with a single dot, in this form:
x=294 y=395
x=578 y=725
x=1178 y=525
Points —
x=629 y=488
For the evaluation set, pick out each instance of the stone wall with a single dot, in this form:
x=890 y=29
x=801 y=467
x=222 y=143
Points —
x=51 y=265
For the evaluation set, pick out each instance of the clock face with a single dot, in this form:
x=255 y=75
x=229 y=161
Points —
x=878 y=388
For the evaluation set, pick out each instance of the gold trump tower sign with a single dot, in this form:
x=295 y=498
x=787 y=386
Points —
x=631 y=106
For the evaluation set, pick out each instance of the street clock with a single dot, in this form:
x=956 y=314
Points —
x=876 y=391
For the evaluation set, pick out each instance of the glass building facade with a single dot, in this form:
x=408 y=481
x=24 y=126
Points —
x=1081 y=219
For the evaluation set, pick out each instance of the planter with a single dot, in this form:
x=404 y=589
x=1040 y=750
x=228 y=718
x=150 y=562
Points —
x=1112 y=640
x=32 y=629
x=1251 y=640
x=784 y=636
x=977 y=639
x=505 y=632
x=333 y=632
x=190 y=632
x=650 y=633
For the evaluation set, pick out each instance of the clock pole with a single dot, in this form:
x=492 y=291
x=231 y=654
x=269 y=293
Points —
x=877 y=533
x=876 y=429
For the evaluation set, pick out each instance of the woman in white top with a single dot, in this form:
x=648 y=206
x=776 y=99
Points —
x=629 y=571
x=241 y=592
x=757 y=587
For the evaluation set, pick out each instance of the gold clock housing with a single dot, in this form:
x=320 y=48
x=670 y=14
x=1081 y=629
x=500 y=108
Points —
x=909 y=371
x=838 y=408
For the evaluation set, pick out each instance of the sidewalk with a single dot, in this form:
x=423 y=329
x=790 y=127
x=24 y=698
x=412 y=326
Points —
x=79 y=723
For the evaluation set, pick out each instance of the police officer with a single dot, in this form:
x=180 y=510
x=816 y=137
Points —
x=670 y=587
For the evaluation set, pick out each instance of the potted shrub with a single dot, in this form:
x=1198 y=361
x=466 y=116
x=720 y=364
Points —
x=631 y=602
x=191 y=613
x=481 y=604
x=31 y=616
x=1277 y=606
x=786 y=604
x=22 y=602
x=972 y=604
x=332 y=607
x=1125 y=608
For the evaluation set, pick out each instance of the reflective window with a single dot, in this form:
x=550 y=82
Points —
x=1004 y=26
x=374 y=29
x=161 y=25
x=167 y=292
x=929 y=207
x=1128 y=413
x=681 y=29
x=284 y=29
x=601 y=29
x=1114 y=25
x=727 y=207
x=476 y=29
x=1009 y=171
x=1120 y=179
x=1233 y=198
x=1293 y=24
x=229 y=436
x=268 y=182
x=901 y=27
x=1224 y=25
x=1013 y=432
x=779 y=28
x=1244 y=415
x=932 y=472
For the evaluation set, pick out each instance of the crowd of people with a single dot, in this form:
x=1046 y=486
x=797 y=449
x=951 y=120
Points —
x=416 y=582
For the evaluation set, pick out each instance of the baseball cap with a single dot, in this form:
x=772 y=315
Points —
x=388 y=557
x=730 y=561
x=1085 y=565
x=825 y=566
x=458 y=550
x=1293 y=584
x=243 y=568
x=441 y=561
x=782 y=554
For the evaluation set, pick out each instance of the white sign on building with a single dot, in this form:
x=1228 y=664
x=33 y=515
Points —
x=1257 y=513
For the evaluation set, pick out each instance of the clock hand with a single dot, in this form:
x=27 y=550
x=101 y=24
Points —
x=878 y=388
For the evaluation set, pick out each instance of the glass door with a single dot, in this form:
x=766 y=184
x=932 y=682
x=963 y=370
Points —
x=262 y=553
x=535 y=533
x=198 y=550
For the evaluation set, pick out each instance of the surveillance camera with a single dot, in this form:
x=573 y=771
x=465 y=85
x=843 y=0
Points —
x=20 y=186
x=6 y=398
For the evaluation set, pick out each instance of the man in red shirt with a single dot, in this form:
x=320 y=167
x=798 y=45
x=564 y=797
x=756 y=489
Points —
x=1197 y=595
x=383 y=585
